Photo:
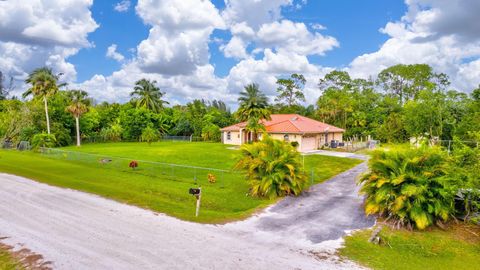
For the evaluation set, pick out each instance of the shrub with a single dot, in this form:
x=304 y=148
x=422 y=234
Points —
x=149 y=135
x=113 y=133
x=133 y=164
x=409 y=186
x=294 y=144
x=43 y=140
x=272 y=167
x=211 y=178
x=211 y=132
x=465 y=168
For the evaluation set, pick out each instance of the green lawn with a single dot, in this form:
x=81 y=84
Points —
x=221 y=202
x=7 y=262
x=456 y=248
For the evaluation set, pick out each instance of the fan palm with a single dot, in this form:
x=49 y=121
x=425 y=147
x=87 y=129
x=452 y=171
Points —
x=409 y=186
x=253 y=108
x=273 y=168
x=148 y=95
x=79 y=103
x=44 y=85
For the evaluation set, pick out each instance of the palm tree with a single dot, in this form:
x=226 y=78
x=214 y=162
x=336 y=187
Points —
x=44 y=85
x=78 y=105
x=273 y=168
x=409 y=186
x=253 y=108
x=147 y=95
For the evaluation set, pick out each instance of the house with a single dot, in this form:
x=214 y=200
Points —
x=310 y=134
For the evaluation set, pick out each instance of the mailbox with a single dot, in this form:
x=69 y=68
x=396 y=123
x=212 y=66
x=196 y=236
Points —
x=194 y=191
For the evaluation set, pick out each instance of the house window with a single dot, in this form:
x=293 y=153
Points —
x=229 y=136
x=285 y=137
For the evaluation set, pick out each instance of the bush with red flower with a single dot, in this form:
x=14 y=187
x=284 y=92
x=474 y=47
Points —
x=133 y=164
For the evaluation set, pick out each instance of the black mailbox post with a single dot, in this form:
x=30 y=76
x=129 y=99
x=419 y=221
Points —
x=194 y=191
x=197 y=192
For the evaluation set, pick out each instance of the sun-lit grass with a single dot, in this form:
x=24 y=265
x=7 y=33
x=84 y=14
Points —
x=221 y=202
x=7 y=262
x=455 y=248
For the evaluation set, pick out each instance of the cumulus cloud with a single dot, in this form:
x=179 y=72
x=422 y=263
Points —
x=113 y=54
x=443 y=34
x=178 y=40
x=40 y=32
x=175 y=54
x=122 y=6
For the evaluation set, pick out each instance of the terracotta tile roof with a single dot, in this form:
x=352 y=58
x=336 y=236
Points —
x=290 y=123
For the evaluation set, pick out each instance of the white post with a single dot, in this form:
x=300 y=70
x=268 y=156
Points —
x=199 y=197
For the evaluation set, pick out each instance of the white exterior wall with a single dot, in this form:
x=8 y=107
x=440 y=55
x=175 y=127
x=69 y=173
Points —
x=291 y=138
x=235 y=137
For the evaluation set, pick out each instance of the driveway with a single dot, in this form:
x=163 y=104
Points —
x=76 y=230
x=336 y=154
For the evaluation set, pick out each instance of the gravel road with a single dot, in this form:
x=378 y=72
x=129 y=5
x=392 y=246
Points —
x=76 y=230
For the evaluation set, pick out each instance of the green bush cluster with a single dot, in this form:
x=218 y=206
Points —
x=417 y=187
x=273 y=168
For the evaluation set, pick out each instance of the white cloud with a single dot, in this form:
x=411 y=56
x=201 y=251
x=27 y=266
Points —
x=253 y=12
x=113 y=54
x=443 y=34
x=41 y=32
x=175 y=54
x=122 y=6
x=317 y=26
x=46 y=23
x=178 y=40
x=294 y=37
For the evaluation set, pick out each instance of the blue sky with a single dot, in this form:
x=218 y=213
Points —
x=355 y=24
x=212 y=49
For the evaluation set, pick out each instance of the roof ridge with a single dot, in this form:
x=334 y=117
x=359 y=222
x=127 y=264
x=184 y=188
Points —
x=288 y=120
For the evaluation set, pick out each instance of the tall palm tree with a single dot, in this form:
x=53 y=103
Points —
x=79 y=103
x=253 y=108
x=44 y=85
x=148 y=95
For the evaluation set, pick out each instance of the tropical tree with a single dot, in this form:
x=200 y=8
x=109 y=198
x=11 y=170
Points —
x=290 y=90
x=44 y=85
x=79 y=103
x=149 y=134
x=43 y=140
x=147 y=95
x=4 y=88
x=253 y=108
x=409 y=186
x=273 y=168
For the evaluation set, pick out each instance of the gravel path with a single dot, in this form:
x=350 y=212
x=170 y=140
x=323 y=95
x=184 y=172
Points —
x=76 y=230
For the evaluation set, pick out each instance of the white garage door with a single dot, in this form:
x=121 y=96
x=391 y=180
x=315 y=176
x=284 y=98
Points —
x=308 y=143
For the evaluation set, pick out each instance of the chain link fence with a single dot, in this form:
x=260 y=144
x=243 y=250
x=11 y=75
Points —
x=168 y=171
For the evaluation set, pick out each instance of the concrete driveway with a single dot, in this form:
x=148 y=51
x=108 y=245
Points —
x=76 y=230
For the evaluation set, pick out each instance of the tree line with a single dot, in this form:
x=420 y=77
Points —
x=403 y=101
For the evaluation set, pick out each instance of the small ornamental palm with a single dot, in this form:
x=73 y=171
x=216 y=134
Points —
x=79 y=103
x=273 y=168
x=409 y=186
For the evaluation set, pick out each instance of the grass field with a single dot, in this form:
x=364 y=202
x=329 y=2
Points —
x=220 y=202
x=455 y=248
x=7 y=262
